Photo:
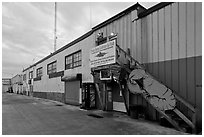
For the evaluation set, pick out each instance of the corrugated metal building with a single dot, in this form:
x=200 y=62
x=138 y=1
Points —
x=166 y=39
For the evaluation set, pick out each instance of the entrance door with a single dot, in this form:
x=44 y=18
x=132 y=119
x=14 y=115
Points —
x=72 y=92
x=118 y=101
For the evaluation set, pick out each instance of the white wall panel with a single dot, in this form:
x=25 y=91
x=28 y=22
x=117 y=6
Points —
x=190 y=29
x=167 y=33
x=174 y=21
x=134 y=41
x=161 y=35
x=149 y=38
x=139 y=44
x=182 y=30
x=155 y=36
x=129 y=22
x=144 y=41
x=198 y=28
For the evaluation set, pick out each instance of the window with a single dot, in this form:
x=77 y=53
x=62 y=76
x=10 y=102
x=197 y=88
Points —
x=24 y=77
x=73 y=60
x=52 y=68
x=31 y=75
x=39 y=72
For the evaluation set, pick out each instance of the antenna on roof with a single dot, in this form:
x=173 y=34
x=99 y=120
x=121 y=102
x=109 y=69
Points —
x=55 y=27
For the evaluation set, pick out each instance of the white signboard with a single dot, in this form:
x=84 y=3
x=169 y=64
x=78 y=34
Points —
x=103 y=55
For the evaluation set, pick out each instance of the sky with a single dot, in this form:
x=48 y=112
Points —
x=28 y=28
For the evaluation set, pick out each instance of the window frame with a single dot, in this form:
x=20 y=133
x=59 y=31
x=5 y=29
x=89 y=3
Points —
x=30 y=76
x=75 y=59
x=24 y=77
x=37 y=72
x=52 y=67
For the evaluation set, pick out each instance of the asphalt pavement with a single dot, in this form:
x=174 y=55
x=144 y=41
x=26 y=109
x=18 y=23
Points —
x=25 y=115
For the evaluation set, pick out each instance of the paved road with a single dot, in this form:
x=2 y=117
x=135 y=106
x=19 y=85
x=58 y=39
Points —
x=23 y=115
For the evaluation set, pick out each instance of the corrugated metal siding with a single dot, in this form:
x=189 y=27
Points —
x=164 y=27
x=172 y=34
x=174 y=49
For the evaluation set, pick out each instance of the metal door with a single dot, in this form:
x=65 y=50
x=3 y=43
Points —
x=72 y=92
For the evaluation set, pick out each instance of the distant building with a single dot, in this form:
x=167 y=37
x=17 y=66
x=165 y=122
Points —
x=6 y=84
x=16 y=84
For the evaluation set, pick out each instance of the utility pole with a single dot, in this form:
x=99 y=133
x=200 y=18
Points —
x=55 y=27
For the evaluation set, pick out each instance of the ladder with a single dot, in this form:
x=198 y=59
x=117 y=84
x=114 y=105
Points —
x=175 y=117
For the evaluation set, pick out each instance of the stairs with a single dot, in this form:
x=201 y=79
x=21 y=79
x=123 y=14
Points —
x=175 y=117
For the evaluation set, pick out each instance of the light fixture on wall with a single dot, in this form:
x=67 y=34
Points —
x=112 y=35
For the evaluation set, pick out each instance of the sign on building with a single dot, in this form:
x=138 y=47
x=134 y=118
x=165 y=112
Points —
x=104 y=54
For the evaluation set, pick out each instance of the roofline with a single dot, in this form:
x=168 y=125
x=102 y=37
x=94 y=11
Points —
x=16 y=76
x=62 y=48
x=118 y=16
x=154 y=8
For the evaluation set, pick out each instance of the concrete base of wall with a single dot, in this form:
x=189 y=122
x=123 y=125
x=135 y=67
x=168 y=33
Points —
x=50 y=95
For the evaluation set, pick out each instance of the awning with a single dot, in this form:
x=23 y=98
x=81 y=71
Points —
x=78 y=76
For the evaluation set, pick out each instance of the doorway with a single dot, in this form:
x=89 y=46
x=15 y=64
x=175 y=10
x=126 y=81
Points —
x=118 y=101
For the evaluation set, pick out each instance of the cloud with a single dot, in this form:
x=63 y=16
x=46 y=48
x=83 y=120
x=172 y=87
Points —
x=26 y=30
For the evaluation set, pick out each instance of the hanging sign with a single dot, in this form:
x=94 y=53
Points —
x=103 y=55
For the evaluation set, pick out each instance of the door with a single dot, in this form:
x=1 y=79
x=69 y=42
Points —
x=118 y=101
x=72 y=92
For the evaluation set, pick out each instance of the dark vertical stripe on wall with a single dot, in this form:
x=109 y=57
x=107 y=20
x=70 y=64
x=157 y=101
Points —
x=175 y=42
x=182 y=55
x=198 y=63
x=190 y=80
x=178 y=54
x=182 y=46
x=195 y=51
x=186 y=53
x=155 y=45
x=153 y=110
x=161 y=45
x=198 y=83
x=150 y=66
x=171 y=41
x=158 y=44
x=190 y=51
x=167 y=46
x=164 y=81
